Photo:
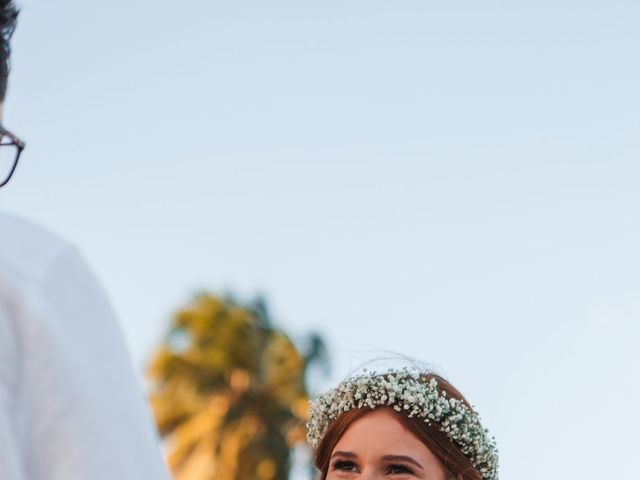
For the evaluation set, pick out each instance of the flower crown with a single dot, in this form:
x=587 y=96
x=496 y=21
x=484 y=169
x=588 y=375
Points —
x=407 y=391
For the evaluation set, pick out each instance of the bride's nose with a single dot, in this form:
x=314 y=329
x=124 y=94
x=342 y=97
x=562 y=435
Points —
x=371 y=474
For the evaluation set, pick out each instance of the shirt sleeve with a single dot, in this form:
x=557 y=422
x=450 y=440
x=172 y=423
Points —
x=89 y=415
x=10 y=459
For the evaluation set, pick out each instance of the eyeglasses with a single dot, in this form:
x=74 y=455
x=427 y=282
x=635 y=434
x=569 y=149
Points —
x=10 y=149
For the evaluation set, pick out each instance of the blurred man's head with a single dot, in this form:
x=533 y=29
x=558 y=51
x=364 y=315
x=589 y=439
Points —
x=10 y=145
x=8 y=16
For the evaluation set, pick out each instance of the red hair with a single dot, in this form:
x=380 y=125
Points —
x=451 y=457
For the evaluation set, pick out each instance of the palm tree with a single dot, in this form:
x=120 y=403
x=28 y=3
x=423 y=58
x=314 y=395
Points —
x=228 y=391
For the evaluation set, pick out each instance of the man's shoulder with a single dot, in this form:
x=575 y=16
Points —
x=28 y=249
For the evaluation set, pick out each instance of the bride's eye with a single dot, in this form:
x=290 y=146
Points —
x=345 y=466
x=398 y=469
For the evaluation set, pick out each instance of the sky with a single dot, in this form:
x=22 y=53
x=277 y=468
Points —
x=453 y=181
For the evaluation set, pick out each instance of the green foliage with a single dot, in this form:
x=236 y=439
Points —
x=228 y=391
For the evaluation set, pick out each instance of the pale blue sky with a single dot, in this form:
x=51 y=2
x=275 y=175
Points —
x=453 y=180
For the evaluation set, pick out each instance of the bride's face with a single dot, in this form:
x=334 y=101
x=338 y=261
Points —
x=378 y=446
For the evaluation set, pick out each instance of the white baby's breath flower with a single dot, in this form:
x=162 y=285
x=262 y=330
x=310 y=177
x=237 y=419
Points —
x=405 y=391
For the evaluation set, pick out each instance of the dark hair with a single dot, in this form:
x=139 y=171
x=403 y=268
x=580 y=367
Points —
x=8 y=17
x=456 y=465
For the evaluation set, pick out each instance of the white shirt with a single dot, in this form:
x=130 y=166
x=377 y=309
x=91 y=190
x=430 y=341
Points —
x=70 y=405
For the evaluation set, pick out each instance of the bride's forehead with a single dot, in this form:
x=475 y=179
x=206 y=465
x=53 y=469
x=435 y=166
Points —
x=378 y=427
x=378 y=416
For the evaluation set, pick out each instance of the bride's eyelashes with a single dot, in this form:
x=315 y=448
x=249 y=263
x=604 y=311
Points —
x=344 y=466
x=392 y=469
x=398 y=469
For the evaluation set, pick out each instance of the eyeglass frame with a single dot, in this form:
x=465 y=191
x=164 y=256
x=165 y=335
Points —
x=16 y=142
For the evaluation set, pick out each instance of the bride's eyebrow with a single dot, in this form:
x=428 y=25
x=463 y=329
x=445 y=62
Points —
x=341 y=453
x=402 y=458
